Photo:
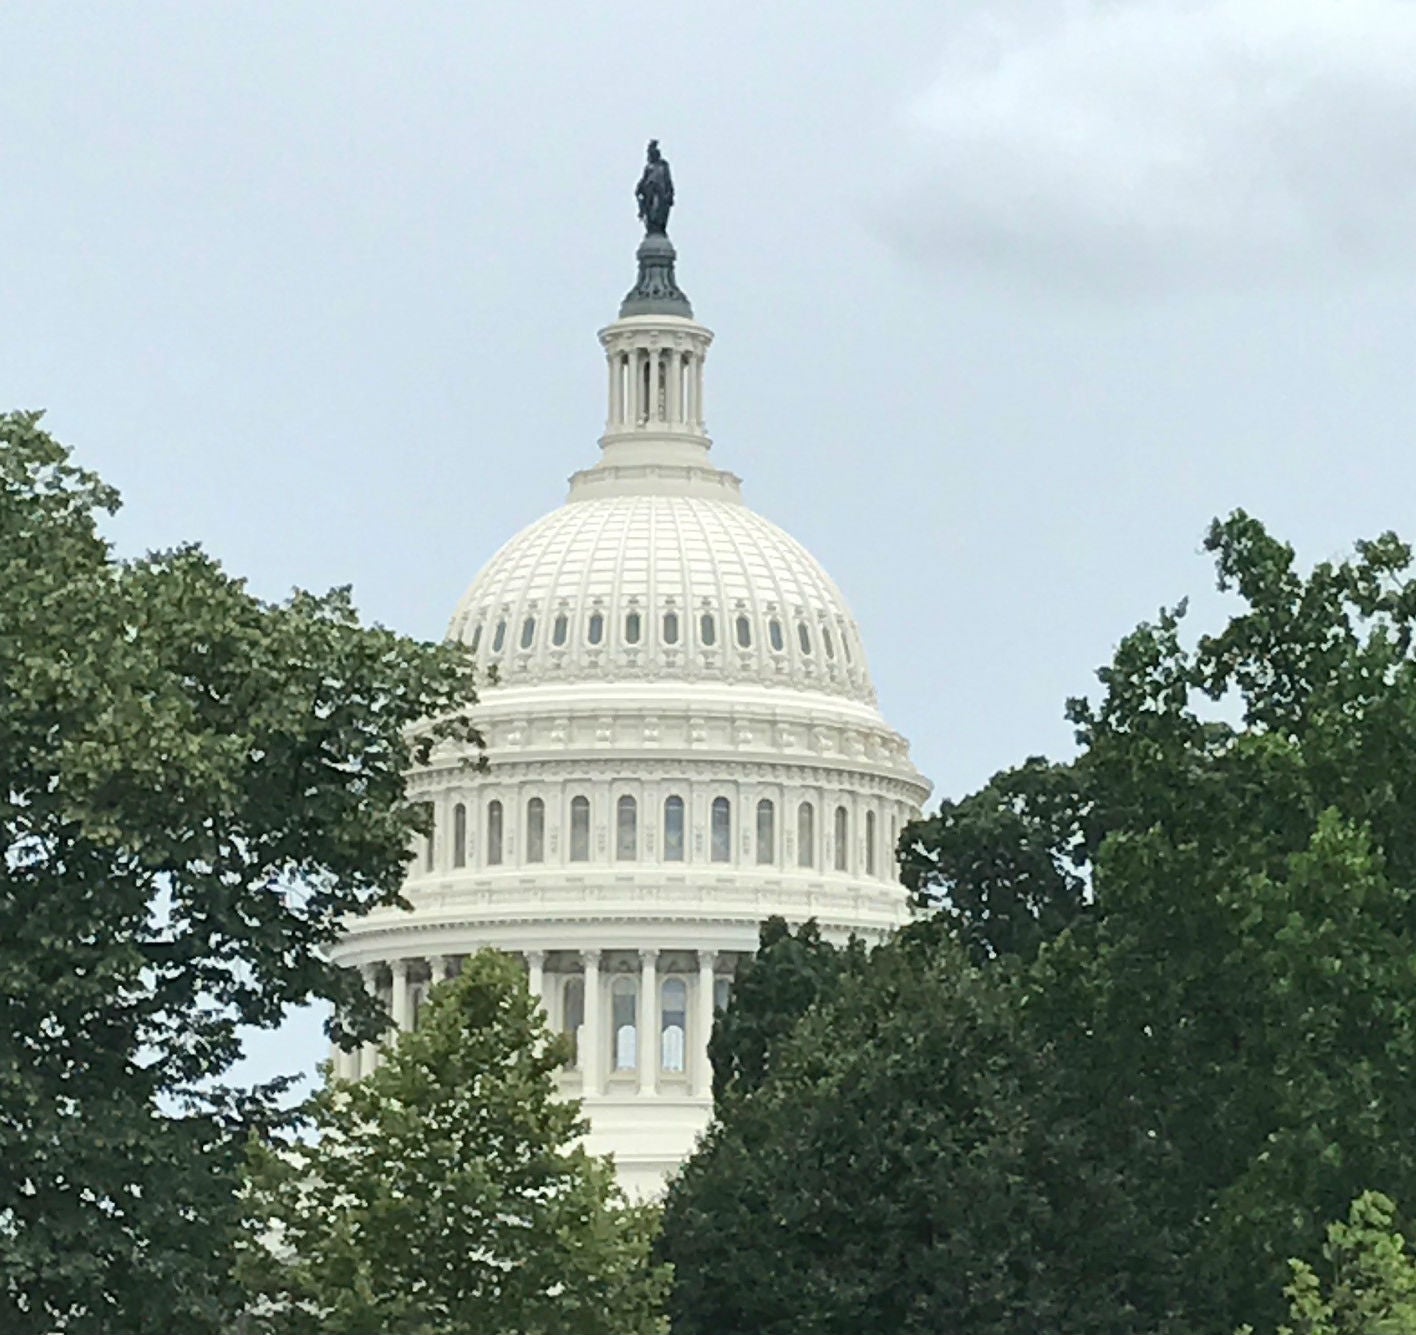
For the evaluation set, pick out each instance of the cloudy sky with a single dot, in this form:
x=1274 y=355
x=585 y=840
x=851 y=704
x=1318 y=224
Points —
x=1008 y=307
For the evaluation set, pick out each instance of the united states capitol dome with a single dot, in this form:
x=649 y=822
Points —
x=682 y=740
x=662 y=585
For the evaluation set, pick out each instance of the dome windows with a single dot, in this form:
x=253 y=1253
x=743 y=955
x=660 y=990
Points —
x=722 y=830
x=624 y=1014
x=804 y=638
x=766 y=833
x=775 y=637
x=671 y=627
x=673 y=1025
x=673 y=829
x=870 y=868
x=744 y=632
x=580 y=829
x=535 y=830
x=494 y=833
x=707 y=630
x=626 y=829
x=499 y=636
x=528 y=632
x=476 y=637
x=632 y=626
x=595 y=628
x=806 y=835
x=459 y=835
x=827 y=642
x=560 y=629
x=841 y=837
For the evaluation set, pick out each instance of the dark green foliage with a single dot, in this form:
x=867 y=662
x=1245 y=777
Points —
x=900 y=1170
x=1197 y=937
x=198 y=786
x=446 y=1194
x=773 y=990
x=1004 y=867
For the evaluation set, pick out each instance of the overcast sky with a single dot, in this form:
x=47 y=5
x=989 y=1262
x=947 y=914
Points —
x=1007 y=307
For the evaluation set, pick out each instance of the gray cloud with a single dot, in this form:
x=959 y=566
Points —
x=1162 y=141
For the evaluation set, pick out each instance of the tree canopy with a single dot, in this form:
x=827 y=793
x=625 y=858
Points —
x=1194 y=941
x=199 y=786
x=447 y=1193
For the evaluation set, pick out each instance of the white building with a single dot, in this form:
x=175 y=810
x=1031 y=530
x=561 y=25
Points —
x=683 y=740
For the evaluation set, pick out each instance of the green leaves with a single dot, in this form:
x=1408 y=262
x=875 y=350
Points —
x=198 y=788
x=446 y=1192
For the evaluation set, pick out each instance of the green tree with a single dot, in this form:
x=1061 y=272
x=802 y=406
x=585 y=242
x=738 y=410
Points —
x=773 y=990
x=899 y=1169
x=1371 y=1287
x=199 y=787
x=446 y=1192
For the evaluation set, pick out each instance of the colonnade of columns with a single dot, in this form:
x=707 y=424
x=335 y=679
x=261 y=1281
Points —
x=602 y=1056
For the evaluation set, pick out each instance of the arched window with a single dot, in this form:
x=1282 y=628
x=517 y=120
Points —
x=744 y=633
x=459 y=835
x=573 y=1015
x=429 y=846
x=560 y=629
x=722 y=830
x=626 y=829
x=499 y=637
x=806 y=835
x=580 y=829
x=535 y=830
x=643 y=386
x=528 y=632
x=803 y=637
x=494 y=832
x=631 y=628
x=722 y=992
x=595 y=630
x=774 y=636
x=707 y=630
x=670 y=627
x=766 y=833
x=842 y=839
x=476 y=637
x=673 y=829
x=827 y=643
x=870 y=867
x=624 y=1022
x=673 y=1025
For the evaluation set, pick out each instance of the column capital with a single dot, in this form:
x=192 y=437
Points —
x=591 y=957
x=649 y=955
x=400 y=966
x=534 y=956
x=707 y=960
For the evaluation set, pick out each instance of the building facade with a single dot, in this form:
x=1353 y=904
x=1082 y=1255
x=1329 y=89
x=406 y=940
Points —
x=683 y=740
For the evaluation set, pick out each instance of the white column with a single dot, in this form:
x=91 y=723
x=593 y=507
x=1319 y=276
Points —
x=648 y=1044
x=401 y=1004
x=592 y=1059
x=368 y=1055
x=535 y=976
x=442 y=969
x=703 y=1081
x=675 y=374
x=611 y=415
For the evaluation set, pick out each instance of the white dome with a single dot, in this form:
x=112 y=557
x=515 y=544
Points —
x=664 y=586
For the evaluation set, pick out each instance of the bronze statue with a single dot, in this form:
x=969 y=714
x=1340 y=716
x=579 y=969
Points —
x=655 y=192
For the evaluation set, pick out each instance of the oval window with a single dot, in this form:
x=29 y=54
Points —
x=596 y=630
x=744 y=632
x=827 y=643
x=499 y=637
x=631 y=628
x=774 y=635
x=846 y=643
x=476 y=637
x=707 y=631
x=528 y=632
x=803 y=637
x=670 y=627
x=560 y=629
